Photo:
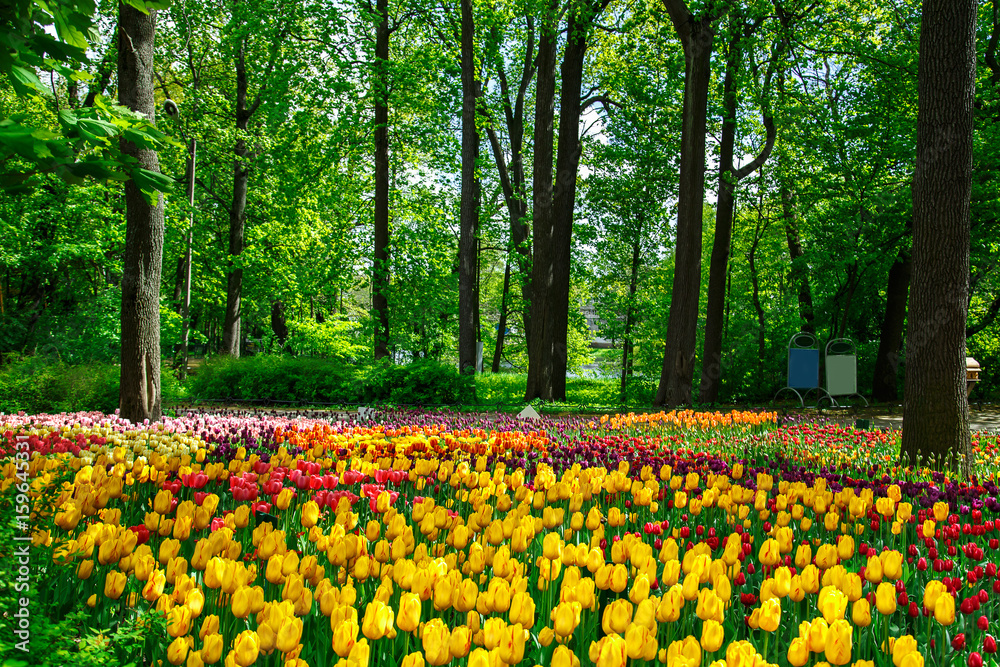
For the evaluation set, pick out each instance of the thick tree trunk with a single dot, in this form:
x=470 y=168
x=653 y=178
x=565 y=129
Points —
x=885 y=383
x=468 y=301
x=380 y=268
x=237 y=216
x=550 y=274
x=677 y=374
x=539 y=360
x=139 y=392
x=935 y=406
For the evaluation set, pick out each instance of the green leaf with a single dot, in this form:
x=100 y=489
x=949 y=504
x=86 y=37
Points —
x=25 y=81
x=152 y=181
x=98 y=127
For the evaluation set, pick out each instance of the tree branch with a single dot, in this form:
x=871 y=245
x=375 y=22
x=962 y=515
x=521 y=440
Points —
x=987 y=320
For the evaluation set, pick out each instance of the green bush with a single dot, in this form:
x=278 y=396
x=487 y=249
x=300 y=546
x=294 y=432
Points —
x=272 y=378
x=40 y=384
x=423 y=382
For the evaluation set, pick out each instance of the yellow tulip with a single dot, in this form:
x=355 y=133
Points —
x=613 y=652
x=378 y=620
x=177 y=651
x=564 y=657
x=245 y=648
x=460 y=642
x=798 y=652
x=435 y=640
x=885 y=599
x=408 y=617
x=310 y=514
x=770 y=615
x=901 y=648
x=345 y=635
x=712 y=636
x=289 y=634
x=211 y=649
x=512 y=644
x=861 y=613
x=114 y=584
x=839 y=642
x=944 y=609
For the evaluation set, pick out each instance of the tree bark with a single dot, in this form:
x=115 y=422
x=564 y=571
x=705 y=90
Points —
x=468 y=301
x=178 y=298
x=380 y=268
x=935 y=405
x=502 y=324
x=677 y=374
x=729 y=178
x=139 y=390
x=884 y=382
x=539 y=362
x=237 y=215
x=279 y=324
x=552 y=234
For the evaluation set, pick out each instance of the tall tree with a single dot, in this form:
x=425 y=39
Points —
x=513 y=183
x=244 y=111
x=468 y=297
x=935 y=405
x=380 y=259
x=729 y=178
x=139 y=389
x=697 y=34
x=554 y=202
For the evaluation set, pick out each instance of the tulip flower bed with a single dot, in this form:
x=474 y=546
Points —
x=434 y=539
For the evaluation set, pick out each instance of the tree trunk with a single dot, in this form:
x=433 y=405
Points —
x=729 y=177
x=380 y=268
x=468 y=333
x=237 y=216
x=552 y=237
x=279 y=324
x=884 y=383
x=758 y=307
x=178 y=297
x=139 y=390
x=539 y=360
x=935 y=405
x=677 y=374
x=633 y=285
x=514 y=183
x=800 y=271
x=502 y=324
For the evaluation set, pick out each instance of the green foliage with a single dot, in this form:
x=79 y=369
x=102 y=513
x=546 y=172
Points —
x=423 y=382
x=333 y=339
x=304 y=380
x=73 y=143
x=43 y=384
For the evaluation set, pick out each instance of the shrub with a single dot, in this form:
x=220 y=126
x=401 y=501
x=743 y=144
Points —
x=423 y=382
x=40 y=384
